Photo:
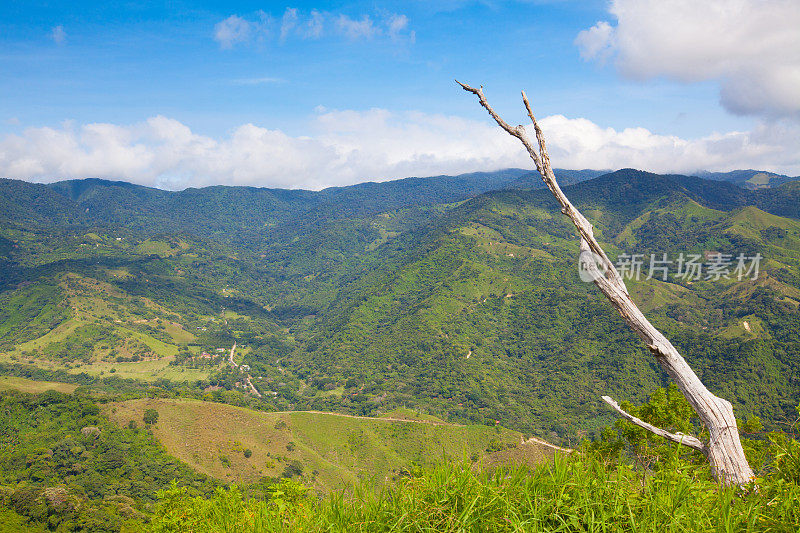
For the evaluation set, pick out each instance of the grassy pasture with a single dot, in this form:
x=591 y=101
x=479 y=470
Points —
x=144 y=370
x=101 y=318
x=334 y=450
x=34 y=387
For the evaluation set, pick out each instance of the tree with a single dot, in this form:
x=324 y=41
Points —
x=150 y=416
x=723 y=449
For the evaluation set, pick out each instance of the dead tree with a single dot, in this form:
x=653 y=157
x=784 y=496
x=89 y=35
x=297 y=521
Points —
x=723 y=449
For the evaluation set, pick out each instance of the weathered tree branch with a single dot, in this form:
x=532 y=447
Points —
x=680 y=438
x=724 y=450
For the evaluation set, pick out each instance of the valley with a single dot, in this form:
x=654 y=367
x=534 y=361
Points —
x=469 y=310
x=308 y=267
x=366 y=336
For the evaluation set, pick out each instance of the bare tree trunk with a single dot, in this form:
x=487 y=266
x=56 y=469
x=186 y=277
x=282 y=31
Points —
x=723 y=449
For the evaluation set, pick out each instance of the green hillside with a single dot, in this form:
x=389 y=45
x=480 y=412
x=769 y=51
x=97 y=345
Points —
x=72 y=463
x=68 y=463
x=365 y=299
x=328 y=451
x=382 y=334
x=484 y=317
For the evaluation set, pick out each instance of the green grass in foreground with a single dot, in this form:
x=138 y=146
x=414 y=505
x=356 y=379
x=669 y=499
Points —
x=576 y=493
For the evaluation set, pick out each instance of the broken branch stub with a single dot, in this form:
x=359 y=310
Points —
x=723 y=449
x=687 y=440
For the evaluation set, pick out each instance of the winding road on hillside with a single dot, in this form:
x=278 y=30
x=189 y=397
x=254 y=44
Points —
x=230 y=357
x=253 y=388
x=248 y=380
x=530 y=440
x=534 y=440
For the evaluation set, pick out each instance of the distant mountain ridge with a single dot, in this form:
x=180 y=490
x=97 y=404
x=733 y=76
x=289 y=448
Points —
x=750 y=179
x=94 y=201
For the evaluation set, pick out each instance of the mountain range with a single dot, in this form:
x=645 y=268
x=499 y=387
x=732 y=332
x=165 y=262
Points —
x=458 y=295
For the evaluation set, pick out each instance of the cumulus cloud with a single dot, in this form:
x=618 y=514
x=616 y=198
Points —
x=580 y=143
x=315 y=24
x=346 y=146
x=596 y=42
x=232 y=30
x=751 y=47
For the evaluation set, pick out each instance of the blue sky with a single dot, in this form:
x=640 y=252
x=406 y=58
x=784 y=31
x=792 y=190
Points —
x=332 y=73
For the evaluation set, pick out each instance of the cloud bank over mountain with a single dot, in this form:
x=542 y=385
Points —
x=347 y=146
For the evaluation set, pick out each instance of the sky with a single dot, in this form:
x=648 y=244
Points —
x=313 y=94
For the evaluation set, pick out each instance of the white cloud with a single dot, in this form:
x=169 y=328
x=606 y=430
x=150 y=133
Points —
x=751 y=47
x=288 y=22
x=397 y=24
x=232 y=30
x=356 y=29
x=58 y=35
x=580 y=143
x=596 y=42
x=346 y=147
x=313 y=25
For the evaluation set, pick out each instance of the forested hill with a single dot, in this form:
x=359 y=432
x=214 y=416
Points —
x=115 y=203
x=482 y=313
x=633 y=190
x=225 y=210
x=456 y=295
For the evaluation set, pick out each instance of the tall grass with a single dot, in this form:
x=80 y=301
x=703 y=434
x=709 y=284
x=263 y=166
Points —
x=571 y=494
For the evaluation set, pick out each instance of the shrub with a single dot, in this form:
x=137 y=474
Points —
x=295 y=468
x=150 y=416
